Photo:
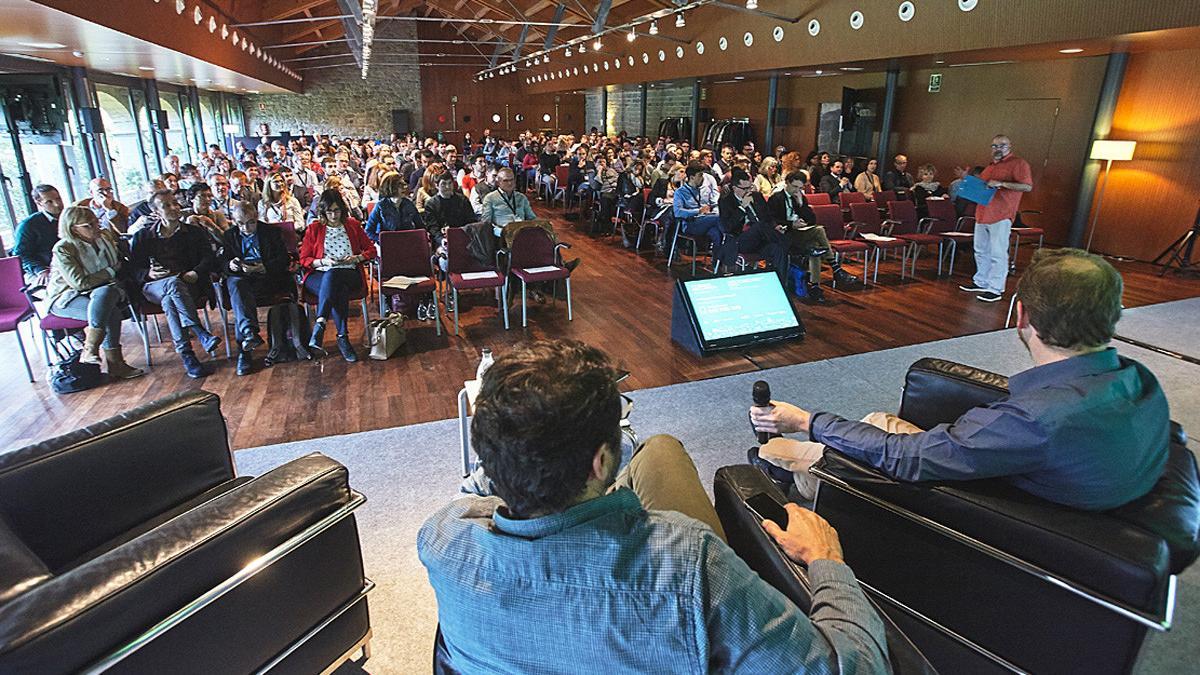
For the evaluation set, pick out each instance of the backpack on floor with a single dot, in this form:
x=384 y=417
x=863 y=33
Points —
x=288 y=332
x=69 y=375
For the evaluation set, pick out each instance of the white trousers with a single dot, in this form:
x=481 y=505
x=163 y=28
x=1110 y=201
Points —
x=991 y=255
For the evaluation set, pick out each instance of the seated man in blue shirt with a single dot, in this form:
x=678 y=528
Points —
x=256 y=266
x=1084 y=427
x=576 y=568
x=693 y=210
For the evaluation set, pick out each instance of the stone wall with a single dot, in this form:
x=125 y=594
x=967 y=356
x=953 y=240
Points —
x=338 y=100
x=625 y=107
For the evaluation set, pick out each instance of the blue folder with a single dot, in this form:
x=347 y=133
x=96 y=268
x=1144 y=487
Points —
x=973 y=189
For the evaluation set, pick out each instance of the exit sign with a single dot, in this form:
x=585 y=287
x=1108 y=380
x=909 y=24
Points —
x=935 y=83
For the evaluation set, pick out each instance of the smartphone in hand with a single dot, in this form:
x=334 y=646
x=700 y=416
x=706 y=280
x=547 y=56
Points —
x=766 y=507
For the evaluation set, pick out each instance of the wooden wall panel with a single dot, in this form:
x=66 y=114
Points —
x=480 y=100
x=1152 y=199
x=956 y=125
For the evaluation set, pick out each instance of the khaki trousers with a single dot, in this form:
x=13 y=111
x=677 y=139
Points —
x=664 y=478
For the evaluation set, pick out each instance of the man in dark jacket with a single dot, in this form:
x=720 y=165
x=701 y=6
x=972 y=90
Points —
x=744 y=215
x=36 y=236
x=834 y=182
x=448 y=208
x=804 y=236
x=255 y=265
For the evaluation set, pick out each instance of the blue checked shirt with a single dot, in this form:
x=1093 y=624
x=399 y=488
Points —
x=608 y=587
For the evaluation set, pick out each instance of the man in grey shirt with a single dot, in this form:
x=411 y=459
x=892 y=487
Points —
x=578 y=567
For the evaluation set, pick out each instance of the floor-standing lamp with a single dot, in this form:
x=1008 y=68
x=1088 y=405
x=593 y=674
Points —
x=1112 y=151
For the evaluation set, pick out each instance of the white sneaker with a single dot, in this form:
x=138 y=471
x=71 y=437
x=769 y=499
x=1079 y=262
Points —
x=972 y=289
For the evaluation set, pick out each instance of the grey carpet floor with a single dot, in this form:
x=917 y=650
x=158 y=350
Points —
x=408 y=472
x=1169 y=325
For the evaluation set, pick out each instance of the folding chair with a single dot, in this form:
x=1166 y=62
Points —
x=845 y=199
x=535 y=258
x=408 y=253
x=562 y=174
x=912 y=229
x=15 y=305
x=869 y=227
x=692 y=239
x=464 y=273
x=819 y=199
x=1021 y=233
x=308 y=299
x=948 y=226
x=883 y=197
x=830 y=218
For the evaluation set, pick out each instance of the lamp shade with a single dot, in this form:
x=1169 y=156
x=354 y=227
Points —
x=1113 y=150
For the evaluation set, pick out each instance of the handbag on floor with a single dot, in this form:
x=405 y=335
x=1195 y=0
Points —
x=387 y=334
x=69 y=375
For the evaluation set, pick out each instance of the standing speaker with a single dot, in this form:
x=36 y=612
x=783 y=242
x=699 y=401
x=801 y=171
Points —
x=401 y=123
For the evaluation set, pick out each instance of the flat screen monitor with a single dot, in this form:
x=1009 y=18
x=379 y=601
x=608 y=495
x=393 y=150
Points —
x=740 y=310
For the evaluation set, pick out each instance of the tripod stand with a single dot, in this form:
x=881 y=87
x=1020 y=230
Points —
x=1179 y=254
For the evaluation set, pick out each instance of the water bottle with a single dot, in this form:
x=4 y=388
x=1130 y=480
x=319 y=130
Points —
x=485 y=362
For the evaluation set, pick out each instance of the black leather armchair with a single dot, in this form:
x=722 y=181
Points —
x=987 y=578
x=131 y=546
x=731 y=487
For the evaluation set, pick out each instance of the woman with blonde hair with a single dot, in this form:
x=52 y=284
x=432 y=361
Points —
x=791 y=163
x=428 y=186
x=768 y=177
x=83 y=285
x=278 y=205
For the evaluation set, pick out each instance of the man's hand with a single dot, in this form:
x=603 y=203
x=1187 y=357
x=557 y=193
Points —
x=42 y=278
x=235 y=265
x=780 y=418
x=808 y=537
x=705 y=209
x=995 y=183
x=190 y=277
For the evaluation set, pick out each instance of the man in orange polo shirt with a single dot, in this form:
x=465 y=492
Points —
x=1011 y=176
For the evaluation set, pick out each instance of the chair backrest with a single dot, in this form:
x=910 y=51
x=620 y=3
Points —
x=533 y=247
x=819 y=199
x=368 y=208
x=404 y=252
x=848 y=198
x=885 y=196
x=11 y=283
x=829 y=216
x=458 y=258
x=942 y=210
x=867 y=214
x=906 y=214
x=291 y=240
x=562 y=173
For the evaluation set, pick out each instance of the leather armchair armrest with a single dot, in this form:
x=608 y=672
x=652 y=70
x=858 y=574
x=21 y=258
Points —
x=66 y=495
x=937 y=391
x=78 y=617
x=732 y=485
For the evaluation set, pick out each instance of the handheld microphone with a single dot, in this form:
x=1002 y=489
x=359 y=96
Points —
x=761 y=395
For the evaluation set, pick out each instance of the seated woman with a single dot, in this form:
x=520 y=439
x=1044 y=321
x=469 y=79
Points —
x=83 y=285
x=348 y=193
x=926 y=186
x=428 y=184
x=394 y=210
x=867 y=182
x=768 y=177
x=278 y=205
x=332 y=255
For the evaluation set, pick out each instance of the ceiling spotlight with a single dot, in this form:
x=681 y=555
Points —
x=597 y=45
x=582 y=48
x=654 y=28
x=680 y=22
x=568 y=52
x=1073 y=50
x=751 y=4
x=632 y=34
x=546 y=58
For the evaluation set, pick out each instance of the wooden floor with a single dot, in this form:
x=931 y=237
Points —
x=622 y=304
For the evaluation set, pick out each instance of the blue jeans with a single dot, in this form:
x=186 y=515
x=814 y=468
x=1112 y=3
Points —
x=101 y=308
x=709 y=225
x=245 y=307
x=176 y=298
x=333 y=289
x=991 y=255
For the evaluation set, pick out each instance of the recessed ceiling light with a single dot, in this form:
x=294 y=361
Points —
x=145 y=68
x=1072 y=50
x=851 y=69
x=42 y=45
x=739 y=77
x=77 y=54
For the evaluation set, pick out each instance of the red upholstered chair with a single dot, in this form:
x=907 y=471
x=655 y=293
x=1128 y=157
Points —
x=869 y=227
x=819 y=199
x=1022 y=232
x=408 y=253
x=882 y=198
x=534 y=258
x=830 y=217
x=562 y=175
x=848 y=198
x=950 y=227
x=913 y=229
x=464 y=273
x=15 y=306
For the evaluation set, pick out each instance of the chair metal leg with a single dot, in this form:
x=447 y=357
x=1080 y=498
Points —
x=875 y=279
x=524 y=308
x=157 y=331
x=29 y=371
x=674 y=244
x=1012 y=304
x=953 y=255
x=437 y=314
x=225 y=331
x=570 y=316
x=366 y=322
x=455 y=311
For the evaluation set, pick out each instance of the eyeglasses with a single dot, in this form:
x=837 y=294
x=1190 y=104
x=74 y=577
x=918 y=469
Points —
x=997 y=146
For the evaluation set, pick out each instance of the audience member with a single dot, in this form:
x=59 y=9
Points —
x=768 y=178
x=805 y=237
x=34 y=238
x=111 y=213
x=83 y=285
x=332 y=256
x=254 y=264
x=448 y=208
x=661 y=587
x=1010 y=176
x=1084 y=427
x=745 y=217
x=693 y=212
x=173 y=263
x=201 y=214
x=898 y=178
x=867 y=182
x=278 y=205
x=834 y=183
x=394 y=211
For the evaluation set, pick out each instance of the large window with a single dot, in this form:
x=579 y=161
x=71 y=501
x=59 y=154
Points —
x=176 y=134
x=124 y=149
x=210 y=117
